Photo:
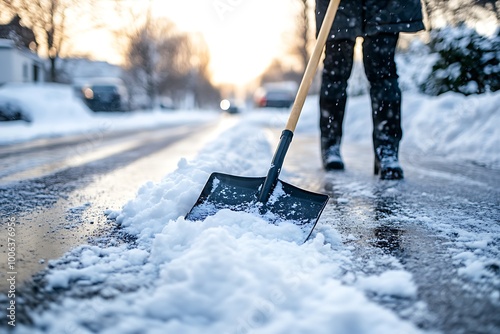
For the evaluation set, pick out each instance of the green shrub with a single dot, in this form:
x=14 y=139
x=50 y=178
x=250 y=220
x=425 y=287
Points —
x=467 y=62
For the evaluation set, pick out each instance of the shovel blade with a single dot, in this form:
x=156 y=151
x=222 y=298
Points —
x=237 y=193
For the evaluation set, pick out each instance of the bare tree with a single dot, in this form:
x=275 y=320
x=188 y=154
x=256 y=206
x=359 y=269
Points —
x=140 y=63
x=164 y=61
x=199 y=73
x=298 y=47
x=302 y=33
x=49 y=21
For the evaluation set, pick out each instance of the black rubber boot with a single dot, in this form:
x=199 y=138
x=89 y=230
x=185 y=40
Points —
x=387 y=134
x=336 y=71
x=332 y=160
x=387 y=164
x=331 y=118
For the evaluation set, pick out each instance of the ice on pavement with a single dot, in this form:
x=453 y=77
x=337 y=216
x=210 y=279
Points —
x=234 y=272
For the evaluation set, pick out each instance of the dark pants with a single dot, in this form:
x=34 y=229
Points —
x=380 y=69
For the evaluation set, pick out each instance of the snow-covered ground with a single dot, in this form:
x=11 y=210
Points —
x=234 y=272
x=55 y=111
x=450 y=125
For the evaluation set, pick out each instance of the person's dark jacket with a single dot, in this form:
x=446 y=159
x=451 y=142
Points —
x=368 y=17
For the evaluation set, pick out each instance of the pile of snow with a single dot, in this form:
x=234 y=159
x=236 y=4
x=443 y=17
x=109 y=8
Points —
x=456 y=126
x=230 y=273
x=47 y=103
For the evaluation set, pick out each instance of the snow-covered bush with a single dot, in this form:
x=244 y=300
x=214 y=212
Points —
x=467 y=62
x=414 y=65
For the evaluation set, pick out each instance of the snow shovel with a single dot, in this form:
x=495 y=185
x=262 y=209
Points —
x=268 y=196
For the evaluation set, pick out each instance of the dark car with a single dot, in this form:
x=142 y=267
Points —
x=275 y=95
x=105 y=95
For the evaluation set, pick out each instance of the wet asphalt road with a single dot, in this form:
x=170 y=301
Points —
x=442 y=223
x=56 y=190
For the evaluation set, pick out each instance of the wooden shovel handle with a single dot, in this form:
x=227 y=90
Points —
x=312 y=65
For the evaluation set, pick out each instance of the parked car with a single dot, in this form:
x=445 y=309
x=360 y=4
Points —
x=104 y=94
x=276 y=95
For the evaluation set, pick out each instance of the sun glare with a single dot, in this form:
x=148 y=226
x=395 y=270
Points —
x=243 y=36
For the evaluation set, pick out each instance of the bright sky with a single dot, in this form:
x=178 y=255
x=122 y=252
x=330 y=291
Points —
x=243 y=35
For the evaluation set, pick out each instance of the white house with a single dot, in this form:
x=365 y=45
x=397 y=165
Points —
x=19 y=64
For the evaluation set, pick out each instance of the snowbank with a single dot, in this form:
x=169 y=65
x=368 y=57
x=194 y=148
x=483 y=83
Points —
x=55 y=111
x=47 y=103
x=450 y=126
x=456 y=126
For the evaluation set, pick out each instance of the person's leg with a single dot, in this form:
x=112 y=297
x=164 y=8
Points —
x=333 y=96
x=380 y=68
